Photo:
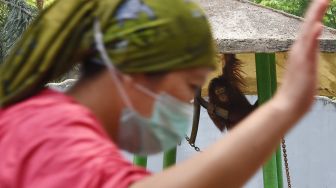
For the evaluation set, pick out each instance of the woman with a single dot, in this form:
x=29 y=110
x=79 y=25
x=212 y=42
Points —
x=143 y=61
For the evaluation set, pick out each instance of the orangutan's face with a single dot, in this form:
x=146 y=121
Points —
x=221 y=94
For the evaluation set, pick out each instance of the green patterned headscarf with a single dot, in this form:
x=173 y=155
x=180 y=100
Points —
x=141 y=36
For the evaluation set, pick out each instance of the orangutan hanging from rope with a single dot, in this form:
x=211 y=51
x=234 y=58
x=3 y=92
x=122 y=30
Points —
x=225 y=95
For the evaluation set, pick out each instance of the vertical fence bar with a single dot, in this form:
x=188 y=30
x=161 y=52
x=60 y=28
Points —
x=279 y=167
x=266 y=83
x=169 y=158
x=273 y=88
x=140 y=161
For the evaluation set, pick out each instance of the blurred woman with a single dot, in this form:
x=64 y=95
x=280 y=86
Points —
x=142 y=61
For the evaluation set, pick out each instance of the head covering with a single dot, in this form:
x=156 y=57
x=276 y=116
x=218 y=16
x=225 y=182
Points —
x=141 y=36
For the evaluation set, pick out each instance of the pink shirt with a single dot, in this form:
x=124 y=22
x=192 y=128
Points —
x=50 y=141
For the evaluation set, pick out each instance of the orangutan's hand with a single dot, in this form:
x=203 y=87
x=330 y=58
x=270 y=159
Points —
x=300 y=80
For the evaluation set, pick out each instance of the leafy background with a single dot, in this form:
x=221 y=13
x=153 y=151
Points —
x=15 y=16
x=298 y=8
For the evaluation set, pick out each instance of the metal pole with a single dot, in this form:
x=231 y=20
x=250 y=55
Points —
x=266 y=83
x=169 y=158
x=273 y=88
x=279 y=167
x=140 y=161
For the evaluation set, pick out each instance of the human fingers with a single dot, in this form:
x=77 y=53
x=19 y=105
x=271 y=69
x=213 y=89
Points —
x=313 y=42
x=314 y=15
x=316 y=10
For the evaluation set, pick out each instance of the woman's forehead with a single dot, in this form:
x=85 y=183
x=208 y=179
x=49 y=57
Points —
x=198 y=74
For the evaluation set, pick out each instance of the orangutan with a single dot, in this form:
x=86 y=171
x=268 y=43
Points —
x=225 y=94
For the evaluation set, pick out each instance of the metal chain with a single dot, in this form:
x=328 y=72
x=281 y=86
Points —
x=192 y=144
x=284 y=151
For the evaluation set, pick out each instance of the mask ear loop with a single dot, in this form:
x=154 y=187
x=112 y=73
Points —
x=146 y=91
x=98 y=36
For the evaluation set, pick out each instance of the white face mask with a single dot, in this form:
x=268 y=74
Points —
x=162 y=131
x=140 y=135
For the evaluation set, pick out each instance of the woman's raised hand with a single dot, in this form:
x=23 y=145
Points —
x=300 y=80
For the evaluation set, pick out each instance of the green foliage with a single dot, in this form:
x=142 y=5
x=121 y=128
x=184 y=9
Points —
x=330 y=18
x=298 y=8
x=34 y=4
x=3 y=15
x=15 y=16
